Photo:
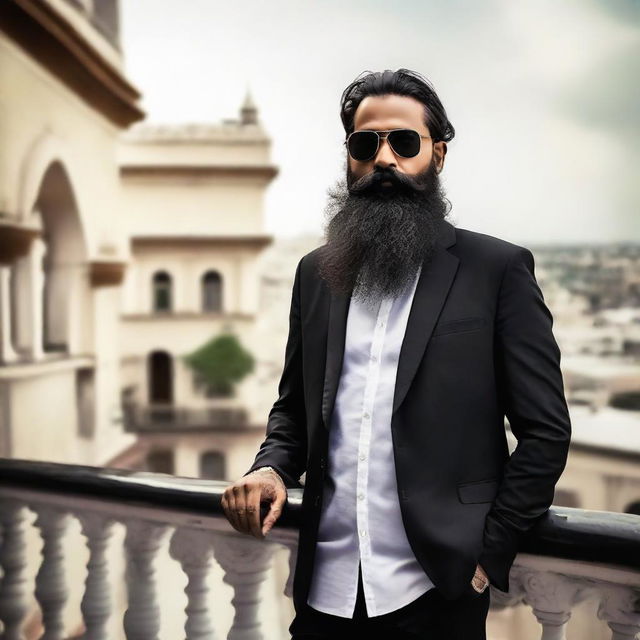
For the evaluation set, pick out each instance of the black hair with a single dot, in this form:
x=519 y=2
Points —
x=403 y=82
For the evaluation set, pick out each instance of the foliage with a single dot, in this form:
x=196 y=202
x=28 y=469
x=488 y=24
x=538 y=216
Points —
x=221 y=363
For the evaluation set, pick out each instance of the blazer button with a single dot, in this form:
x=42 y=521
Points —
x=317 y=501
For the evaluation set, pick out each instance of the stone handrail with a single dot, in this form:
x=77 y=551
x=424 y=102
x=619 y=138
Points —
x=570 y=555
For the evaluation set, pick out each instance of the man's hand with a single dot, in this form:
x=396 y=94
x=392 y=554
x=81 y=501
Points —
x=480 y=580
x=241 y=502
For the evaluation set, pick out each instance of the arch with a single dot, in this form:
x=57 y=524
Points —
x=161 y=292
x=211 y=288
x=160 y=377
x=45 y=151
x=50 y=285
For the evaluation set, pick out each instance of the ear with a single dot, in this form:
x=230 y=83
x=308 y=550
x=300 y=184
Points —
x=440 y=151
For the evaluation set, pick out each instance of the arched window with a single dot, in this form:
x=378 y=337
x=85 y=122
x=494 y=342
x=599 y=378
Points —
x=212 y=465
x=211 y=291
x=161 y=291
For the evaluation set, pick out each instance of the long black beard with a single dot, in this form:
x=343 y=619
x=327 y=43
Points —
x=377 y=237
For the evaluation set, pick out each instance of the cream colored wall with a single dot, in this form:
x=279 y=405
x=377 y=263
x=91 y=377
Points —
x=178 y=338
x=187 y=265
x=43 y=416
x=226 y=146
x=169 y=205
x=239 y=449
x=601 y=482
x=42 y=121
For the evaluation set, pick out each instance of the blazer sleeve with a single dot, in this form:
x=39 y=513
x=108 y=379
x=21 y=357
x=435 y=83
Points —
x=285 y=445
x=531 y=390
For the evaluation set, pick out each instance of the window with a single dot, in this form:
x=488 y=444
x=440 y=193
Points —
x=161 y=291
x=211 y=291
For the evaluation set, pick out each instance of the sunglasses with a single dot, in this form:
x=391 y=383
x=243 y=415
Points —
x=363 y=145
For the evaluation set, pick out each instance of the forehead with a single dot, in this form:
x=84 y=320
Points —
x=390 y=112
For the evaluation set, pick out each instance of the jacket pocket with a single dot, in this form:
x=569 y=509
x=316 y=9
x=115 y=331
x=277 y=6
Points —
x=478 y=491
x=459 y=324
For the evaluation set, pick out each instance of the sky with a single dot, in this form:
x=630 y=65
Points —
x=543 y=96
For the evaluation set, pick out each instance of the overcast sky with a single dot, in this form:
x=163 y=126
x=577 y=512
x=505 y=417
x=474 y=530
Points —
x=543 y=95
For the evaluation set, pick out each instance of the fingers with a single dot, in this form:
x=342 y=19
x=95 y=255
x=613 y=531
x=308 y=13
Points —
x=237 y=515
x=229 y=506
x=252 y=513
x=274 y=510
x=241 y=504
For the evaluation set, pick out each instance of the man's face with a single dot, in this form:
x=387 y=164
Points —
x=381 y=113
x=384 y=218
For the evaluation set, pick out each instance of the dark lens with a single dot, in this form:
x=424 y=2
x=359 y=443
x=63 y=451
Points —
x=363 y=144
x=405 y=142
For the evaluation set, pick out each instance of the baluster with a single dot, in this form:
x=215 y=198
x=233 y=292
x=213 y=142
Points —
x=14 y=604
x=620 y=608
x=142 y=617
x=96 y=602
x=245 y=561
x=552 y=598
x=51 y=588
x=192 y=549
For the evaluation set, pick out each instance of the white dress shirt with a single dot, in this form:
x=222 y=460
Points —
x=361 y=518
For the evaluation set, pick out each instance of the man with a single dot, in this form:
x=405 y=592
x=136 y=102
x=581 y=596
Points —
x=409 y=341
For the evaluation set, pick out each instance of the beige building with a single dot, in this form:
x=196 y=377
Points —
x=63 y=241
x=193 y=198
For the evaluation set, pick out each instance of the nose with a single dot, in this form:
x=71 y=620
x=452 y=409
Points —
x=385 y=156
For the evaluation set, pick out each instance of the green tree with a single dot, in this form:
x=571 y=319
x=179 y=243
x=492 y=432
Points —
x=221 y=363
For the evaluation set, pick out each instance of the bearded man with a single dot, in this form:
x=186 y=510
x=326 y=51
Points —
x=410 y=340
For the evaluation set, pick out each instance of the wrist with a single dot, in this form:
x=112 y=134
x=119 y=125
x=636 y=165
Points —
x=269 y=470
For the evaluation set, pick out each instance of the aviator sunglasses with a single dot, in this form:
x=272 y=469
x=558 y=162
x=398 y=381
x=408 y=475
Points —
x=364 y=144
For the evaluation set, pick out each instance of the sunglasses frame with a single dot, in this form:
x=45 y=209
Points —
x=387 y=131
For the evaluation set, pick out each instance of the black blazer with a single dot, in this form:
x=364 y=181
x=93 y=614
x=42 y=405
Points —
x=478 y=346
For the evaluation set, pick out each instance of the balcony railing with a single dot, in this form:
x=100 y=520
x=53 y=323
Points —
x=163 y=418
x=571 y=555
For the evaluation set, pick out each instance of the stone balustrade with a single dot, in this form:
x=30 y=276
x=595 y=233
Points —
x=571 y=555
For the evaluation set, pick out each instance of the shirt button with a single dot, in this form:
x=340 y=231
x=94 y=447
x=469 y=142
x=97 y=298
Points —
x=382 y=324
x=366 y=415
x=363 y=457
x=361 y=496
x=374 y=359
x=363 y=532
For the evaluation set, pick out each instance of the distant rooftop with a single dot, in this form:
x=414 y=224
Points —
x=608 y=428
x=246 y=128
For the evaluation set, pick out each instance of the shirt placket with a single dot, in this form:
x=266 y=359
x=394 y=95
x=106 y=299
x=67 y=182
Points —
x=364 y=444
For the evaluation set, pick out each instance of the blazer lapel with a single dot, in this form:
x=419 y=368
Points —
x=431 y=291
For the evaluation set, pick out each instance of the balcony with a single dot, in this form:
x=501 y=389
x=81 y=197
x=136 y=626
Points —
x=570 y=556
x=166 y=418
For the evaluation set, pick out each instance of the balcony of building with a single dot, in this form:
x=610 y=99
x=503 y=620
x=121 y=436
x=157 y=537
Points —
x=571 y=556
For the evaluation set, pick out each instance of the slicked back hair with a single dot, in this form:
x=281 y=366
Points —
x=403 y=82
